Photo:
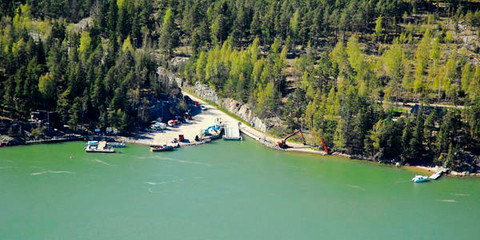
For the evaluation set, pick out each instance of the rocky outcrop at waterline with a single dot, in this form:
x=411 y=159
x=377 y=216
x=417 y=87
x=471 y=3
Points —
x=244 y=111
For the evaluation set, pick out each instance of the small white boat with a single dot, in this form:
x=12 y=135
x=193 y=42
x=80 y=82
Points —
x=419 y=179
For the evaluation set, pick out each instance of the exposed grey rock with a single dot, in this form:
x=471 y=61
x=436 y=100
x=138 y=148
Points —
x=177 y=61
x=205 y=92
x=241 y=110
x=258 y=124
x=170 y=77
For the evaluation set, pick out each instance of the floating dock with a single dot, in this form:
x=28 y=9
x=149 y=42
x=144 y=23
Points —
x=232 y=132
x=438 y=174
x=98 y=147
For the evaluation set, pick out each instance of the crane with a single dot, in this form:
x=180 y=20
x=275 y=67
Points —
x=283 y=142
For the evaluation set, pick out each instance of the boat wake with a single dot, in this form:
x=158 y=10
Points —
x=447 y=200
x=102 y=162
x=152 y=191
x=155 y=183
x=460 y=194
x=7 y=167
x=186 y=161
x=52 y=172
x=356 y=187
x=60 y=172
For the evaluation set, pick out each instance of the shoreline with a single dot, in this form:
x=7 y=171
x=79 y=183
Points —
x=269 y=142
x=261 y=137
x=208 y=117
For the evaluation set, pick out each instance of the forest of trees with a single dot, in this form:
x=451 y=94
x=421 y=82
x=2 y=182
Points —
x=336 y=68
x=91 y=76
x=338 y=96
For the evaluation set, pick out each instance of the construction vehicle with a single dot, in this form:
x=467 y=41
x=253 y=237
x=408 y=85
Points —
x=283 y=142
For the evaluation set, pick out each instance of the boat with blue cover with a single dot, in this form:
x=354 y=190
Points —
x=419 y=179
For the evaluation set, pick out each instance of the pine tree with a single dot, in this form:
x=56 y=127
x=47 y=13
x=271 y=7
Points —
x=447 y=134
x=378 y=28
x=416 y=149
x=47 y=86
x=112 y=17
x=169 y=34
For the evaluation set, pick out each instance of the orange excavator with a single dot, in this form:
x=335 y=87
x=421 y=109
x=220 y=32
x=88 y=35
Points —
x=283 y=142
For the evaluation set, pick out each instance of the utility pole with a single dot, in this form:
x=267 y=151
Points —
x=48 y=117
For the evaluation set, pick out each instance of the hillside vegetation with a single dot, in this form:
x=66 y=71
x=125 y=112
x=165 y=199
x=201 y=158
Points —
x=341 y=70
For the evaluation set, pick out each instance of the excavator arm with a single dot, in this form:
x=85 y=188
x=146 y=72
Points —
x=283 y=142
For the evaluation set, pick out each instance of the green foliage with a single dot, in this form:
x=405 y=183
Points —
x=82 y=74
x=393 y=60
x=448 y=132
x=449 y=37
x=244 y=75
x=127 y=45
x=85 y=44
x=340 y=87
x=37 y=133
x=384 y=140
x=266 y=99
x=169 y=34
x=378 y=27
x=47 y=86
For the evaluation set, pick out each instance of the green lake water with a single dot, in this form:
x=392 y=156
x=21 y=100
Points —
x=223 y=190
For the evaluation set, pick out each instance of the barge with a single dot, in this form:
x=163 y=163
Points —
x=98 y=147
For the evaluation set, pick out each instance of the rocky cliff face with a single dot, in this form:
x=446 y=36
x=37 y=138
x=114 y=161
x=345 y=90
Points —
x=241 y=110
x=244 y=112
x=207 y=93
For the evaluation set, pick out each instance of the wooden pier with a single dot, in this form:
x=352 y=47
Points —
x=56 y=139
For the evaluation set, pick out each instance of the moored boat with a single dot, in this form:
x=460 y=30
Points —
x=117 y=144
x=213 y=132
x=161 y=148
x=419 y=179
